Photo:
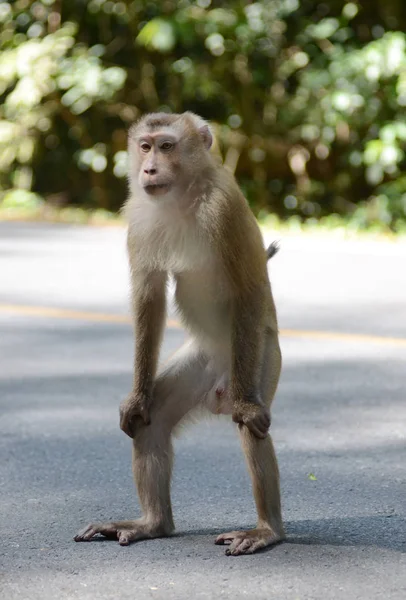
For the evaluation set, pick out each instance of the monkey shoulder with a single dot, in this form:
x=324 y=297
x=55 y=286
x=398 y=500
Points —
x=229 y=218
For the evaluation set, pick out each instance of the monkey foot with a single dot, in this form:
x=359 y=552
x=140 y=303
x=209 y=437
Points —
x=123 y=531
x=247 y=542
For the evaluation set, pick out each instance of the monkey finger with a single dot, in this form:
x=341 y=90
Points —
x=252 y=425
x=128 y=429
x=264 y=423
x=257 y=431
x=145 y=417
x=263 y=427
x=127 y=424
x=267 y=419
x=241 y=419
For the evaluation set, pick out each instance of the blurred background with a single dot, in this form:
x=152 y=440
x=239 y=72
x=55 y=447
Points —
x=308 y=100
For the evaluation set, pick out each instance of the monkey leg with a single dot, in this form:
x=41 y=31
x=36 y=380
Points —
x=182 y=386
x=263 y=469
x=264 y=473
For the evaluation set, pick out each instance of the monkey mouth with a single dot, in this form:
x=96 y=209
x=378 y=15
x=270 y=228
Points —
x=156 y=189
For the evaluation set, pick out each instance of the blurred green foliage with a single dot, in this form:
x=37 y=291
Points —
x=308 y=98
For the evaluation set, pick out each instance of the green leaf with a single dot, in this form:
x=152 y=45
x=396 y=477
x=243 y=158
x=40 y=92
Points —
x=158 y=34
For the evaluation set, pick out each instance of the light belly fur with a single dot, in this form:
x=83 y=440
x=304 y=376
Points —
x=206 y=312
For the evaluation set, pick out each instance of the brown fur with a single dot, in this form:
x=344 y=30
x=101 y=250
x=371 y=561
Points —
x=188 y=217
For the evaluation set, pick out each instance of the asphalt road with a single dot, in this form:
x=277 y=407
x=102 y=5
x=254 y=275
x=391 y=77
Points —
x=340 y=414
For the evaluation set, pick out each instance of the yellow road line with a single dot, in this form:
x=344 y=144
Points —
x=63 y=313
x=66 y=313
x=82 y=315
x=344 y=337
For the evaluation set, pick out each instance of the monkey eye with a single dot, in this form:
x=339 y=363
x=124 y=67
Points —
x=167 y=146
x=145 y=147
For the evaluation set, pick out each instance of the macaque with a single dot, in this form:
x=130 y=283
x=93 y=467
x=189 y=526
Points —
x=187 y=217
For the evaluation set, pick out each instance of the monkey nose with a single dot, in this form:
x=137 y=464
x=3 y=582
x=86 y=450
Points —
x=151 y=171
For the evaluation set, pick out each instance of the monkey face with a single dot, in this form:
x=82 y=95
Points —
x=158 y=155
x=166 y=151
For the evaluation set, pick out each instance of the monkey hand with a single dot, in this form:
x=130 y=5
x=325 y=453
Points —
x=252 y=413
x=135 y=406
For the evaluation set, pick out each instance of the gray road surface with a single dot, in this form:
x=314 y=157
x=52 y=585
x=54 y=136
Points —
x=340 y=413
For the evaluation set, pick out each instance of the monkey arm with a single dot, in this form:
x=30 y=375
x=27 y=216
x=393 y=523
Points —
x=149 y=309
x=247 y=345
x=149 y=303
x=240 y=245
x=247 y=355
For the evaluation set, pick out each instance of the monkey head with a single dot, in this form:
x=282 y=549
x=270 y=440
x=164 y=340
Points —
x=165 y=149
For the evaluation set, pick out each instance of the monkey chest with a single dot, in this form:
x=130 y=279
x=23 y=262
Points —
x=204 y=303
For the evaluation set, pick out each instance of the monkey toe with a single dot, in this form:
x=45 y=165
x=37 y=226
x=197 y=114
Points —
x=226 y=538
x=128 y=535
x=247 y=542
x=124 y=538
x=125 y=532
x=239 y=546
x=107 y=530
x=84 y=534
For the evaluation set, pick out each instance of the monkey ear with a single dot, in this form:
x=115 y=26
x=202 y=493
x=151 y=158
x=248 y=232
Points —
x=206 y=136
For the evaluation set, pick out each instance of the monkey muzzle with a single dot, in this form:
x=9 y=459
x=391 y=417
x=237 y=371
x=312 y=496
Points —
x=156 y=189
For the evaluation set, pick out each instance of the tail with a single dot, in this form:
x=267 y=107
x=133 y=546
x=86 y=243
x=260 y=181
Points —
x=272 y=250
